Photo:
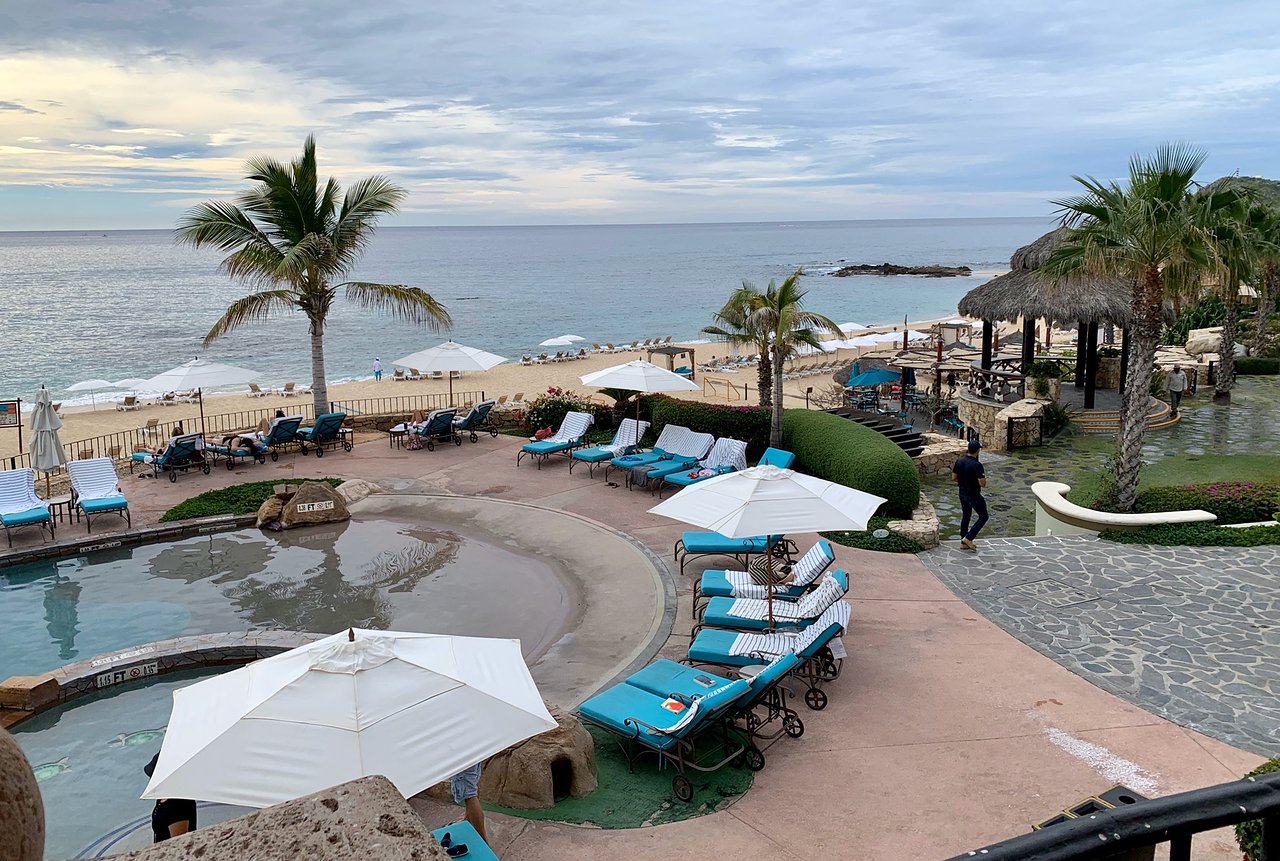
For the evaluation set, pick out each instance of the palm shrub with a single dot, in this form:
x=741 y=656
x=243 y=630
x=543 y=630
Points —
x=735 y=325
x=854 y=455
x=295 y=241
x=1238 y=251
x=1209 y=311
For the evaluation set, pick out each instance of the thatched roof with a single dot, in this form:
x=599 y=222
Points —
x=1024 y=292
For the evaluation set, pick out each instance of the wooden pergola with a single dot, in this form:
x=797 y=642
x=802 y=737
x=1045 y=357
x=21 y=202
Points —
x=671 y=353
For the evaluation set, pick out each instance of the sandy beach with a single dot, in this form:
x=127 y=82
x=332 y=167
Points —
x=511 y=379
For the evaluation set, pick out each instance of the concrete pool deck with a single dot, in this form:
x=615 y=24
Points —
x=944 y=732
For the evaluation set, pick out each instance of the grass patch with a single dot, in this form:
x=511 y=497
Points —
x=1089 y=484
x=631 y=799
x=237 y=499
x=1196 y=535
x=894 y=543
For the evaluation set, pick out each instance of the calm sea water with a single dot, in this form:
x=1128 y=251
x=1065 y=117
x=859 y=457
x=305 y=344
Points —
x=132 y=303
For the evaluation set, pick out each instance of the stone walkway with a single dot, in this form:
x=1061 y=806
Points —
x=1189 y=633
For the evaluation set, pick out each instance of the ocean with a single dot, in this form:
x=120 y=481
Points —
x=117 y=304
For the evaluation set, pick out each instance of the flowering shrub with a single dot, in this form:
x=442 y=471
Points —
x=1232 y=501
x=549 y=408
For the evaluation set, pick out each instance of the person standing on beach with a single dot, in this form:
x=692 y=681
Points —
x=1177 y=383
x=377 y=369
x=970 y=477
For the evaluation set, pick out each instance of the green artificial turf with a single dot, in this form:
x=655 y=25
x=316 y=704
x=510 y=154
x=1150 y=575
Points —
x=631 y=799
x=894 y=543
x=1182 y=470
x=236 y=499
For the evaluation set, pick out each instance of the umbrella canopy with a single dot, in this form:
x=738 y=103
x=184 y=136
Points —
x=417 y=708
x=199 y=374
x=46 y=449
x=852 y=327
x=129 y=383
x=639 y=376
x=766 y=500
x=573 y=339
x=91 y=386
x=558 y=341
x=873 y=377
x=450 y=356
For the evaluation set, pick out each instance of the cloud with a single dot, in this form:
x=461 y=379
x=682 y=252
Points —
x=18 y=108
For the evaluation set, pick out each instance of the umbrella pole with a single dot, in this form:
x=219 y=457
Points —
x=768 y=563
x=450 y=373
x=200 y=398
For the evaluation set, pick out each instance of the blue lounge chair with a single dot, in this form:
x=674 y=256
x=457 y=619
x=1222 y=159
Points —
x=19 y=505
x=238 y=450
x=727 y=455
x=777 y=457
x=625 y=440
x=476 y=420
x=752 y=614
x=438 y=426
x=326 y=432
x=282 y=434
x=95 y=489
x=571 y=435
x=682 y=449
x=464 y=834
x=738 y=584
x=671 y=727
x=818 y=646
x=668 y=439
x=180 y=454
x=693 y=544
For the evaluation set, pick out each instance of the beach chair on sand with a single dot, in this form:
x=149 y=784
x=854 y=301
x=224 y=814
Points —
x=180 y=454
x=571 y=435
x=624 y=442
x=398 y=376
x=19 y=505
x=676 y=443
x=799 y=577
x=129 y=403
x=476 y=421
x=289 y=390
x=326 y=432
x=751 y=614
x=95 y=490
x=726 y=455
x=255 y=391
x=817 y=646
x=438 y=426
x=689 y=733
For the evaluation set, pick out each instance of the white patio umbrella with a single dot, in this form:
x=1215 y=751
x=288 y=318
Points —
x=129 y=383
x=450 y=356
x=766 y=500
x=573 y=339
x=46 y=449
x=558 y=341
x=639 y=376
x=852 y=327
x=199 y=374
x=416 y=708
x=92 y=386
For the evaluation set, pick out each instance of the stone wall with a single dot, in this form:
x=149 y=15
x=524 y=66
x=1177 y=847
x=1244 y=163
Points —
x=939 y=453
x=991 y=420
x=923 y=527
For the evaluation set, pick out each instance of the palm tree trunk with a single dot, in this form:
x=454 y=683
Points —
x=319 y=390
x=1144 y=339
x=775 y=433
x=1227 y=355
x=1266 y=304
x=764 y=379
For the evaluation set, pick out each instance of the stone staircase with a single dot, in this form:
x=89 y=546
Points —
x=1108 y=421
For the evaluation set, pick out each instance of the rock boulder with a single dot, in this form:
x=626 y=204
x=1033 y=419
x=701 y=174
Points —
x=356 y=489
x=315 y=502
x=1201 y=341
x=21 y=812
x=531 y=774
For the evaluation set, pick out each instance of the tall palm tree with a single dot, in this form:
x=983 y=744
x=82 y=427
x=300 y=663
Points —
x=1135 y=231
x=1266 y=224
x=735 y=324
x=293 y=239
x=778 y=313
x=1237 y=252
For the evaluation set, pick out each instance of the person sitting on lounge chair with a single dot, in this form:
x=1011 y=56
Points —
x=176 y=432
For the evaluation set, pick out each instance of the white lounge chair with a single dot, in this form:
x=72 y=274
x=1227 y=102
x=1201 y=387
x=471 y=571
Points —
x=19 y=505
x=95 y=489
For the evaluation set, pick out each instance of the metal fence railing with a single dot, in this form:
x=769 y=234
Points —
x=402 y=404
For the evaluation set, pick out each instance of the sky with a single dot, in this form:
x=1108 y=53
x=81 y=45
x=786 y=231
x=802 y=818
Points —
x=123 y=113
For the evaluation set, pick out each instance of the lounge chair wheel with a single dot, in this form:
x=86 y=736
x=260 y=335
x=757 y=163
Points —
x=474 y=438
x=830 y=669
x=274 y=457
x=205 y=469
x=753 y=758
x=231 y=464
x=682 y=787
x=493 y=432
x=173 y=476
x=431 y=446
x=815 y=699
x=347 y=446
x=457 y=440
x=793 y=726
x=319 y=451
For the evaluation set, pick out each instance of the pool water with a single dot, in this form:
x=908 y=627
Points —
x=439 y=577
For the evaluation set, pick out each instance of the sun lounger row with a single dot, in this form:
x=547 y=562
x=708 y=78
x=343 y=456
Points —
x=445 y=426
x=400 y=375
x=288 y=390
x=95 y=490
x=796 y=372
x=728 y=363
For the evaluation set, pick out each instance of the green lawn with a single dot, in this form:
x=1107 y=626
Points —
x=1182 y=470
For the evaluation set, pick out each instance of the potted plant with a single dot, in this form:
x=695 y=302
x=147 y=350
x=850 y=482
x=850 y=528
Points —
x=1044 y=381
x=1108 y=368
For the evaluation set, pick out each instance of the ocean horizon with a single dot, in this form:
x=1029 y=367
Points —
x=132 y=303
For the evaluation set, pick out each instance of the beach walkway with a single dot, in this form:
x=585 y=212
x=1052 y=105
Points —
x=944 y=732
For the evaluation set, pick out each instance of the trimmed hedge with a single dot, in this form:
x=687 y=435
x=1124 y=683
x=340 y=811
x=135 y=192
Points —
x=894 y=543
x=851 y=454
x=1232 y=501
x=749 y=424
x=1196 y=535
x=1248 y=366
x=237 y=499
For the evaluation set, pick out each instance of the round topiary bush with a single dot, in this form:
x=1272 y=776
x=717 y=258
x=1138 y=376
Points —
x=851 y=454
x=1249 y=834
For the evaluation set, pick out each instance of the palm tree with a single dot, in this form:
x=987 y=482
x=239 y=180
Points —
x=735 y=324
x=1135 y=232
x=293 y=240
x=1237 y=249
x=1266 y=224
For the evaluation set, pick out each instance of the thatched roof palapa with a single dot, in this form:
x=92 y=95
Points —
x=1026 y=292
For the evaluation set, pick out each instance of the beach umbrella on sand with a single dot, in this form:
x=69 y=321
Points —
x=573 y=339
x=417 y=708
x=558 y=341
x=450 y=356
x=766 y=500
x=129 y=384
x=639 y=376
x=197 y=375
x=46 y=449
x=92 y=386
x=852 y=327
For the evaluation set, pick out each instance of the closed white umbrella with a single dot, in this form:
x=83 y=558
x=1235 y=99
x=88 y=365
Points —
x=766 y=500
x=92 y=386
x=46 y=449
x=450 y=356
x=416 y=708
x=199 y=374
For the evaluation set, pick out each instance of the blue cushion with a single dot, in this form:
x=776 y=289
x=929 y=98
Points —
x=141 y=456
x=106 y=503
x=25 y=518
x=631 y=461
x=612 y=707
x=545 y=447
x=682 y=477
x=663 y=678
x=777 y=457
x=828 y=634
x=773 y=673
x=717 y=616
x=714 y=542
x=593 y=455
x=712 y=645
x=672 y=467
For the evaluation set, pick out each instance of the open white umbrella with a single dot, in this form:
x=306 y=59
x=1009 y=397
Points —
x=558 y=341
x=197 y=375
x=450 y=356
x=92 y=386
x=129 y=383
x=573 y=339
x=639 y=376
x=766 y=500
x=852 y=327
x=417 y=708
x=46 y=449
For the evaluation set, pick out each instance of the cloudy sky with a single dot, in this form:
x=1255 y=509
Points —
x=120 y=113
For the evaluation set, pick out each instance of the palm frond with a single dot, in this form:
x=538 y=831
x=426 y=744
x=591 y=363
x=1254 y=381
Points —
x=362 y=206
x=412 y=304
x=255 y=306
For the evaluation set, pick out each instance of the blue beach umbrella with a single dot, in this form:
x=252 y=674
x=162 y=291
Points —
x=874 y=377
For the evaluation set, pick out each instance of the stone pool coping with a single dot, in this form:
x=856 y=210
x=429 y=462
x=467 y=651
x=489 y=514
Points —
x=130 y=538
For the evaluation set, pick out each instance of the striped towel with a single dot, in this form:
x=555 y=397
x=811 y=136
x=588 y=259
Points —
x=94 y=478
x=837 y=614
x=626 y=437
x=726 y=453
x=771 y=646
x=572 y=428
x=17 y=491
x=808 y=607
x=691 y=444
x=804 y=572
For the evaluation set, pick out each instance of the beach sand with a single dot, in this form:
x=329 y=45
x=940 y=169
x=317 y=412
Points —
x=84 y=423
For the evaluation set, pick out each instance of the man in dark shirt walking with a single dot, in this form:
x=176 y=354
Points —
x=970 y=477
